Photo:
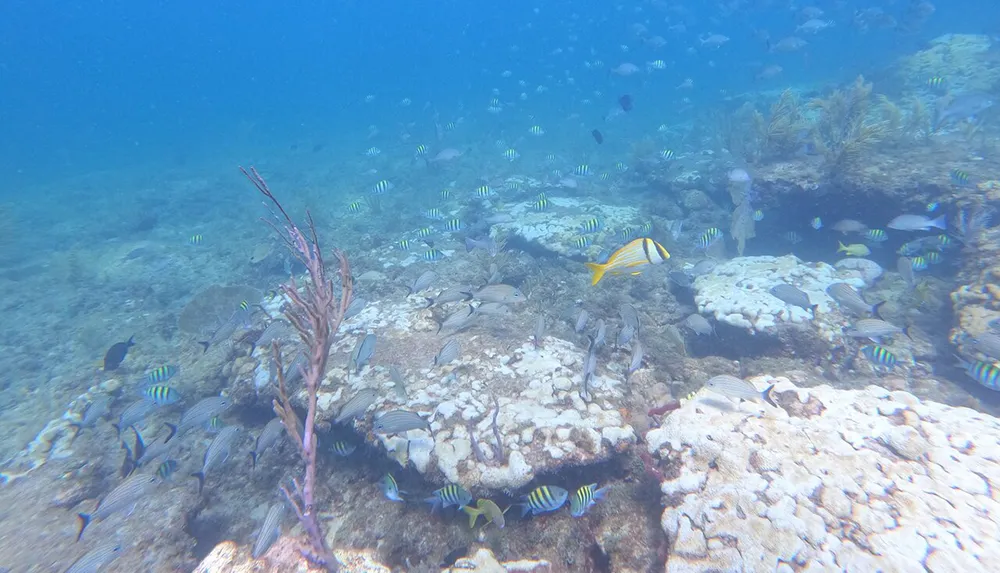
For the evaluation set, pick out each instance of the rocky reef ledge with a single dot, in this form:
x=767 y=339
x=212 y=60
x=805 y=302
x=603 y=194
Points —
x=852 y=480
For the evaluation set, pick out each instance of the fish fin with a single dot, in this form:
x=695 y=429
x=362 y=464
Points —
x=766 y=395
x=430 y=301
x=598 y=270
x=525 y=509
x=602 y=493
x=84 y=522
x=201 y=480
x=876 y=308
x=131 y=339
x=473 y=515
x=140 y=447
x=117 y=429
x=205 y=344
x=940 y=223
x=470 y=245
x=906 y=332
x=841 y=246
x=173 y=432
x=253 y=461
x=814 y=308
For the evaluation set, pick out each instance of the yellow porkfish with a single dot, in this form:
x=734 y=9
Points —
x=855 y=250
x=640 y=252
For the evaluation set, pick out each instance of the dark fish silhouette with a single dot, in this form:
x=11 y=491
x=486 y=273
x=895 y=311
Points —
x=114 y=356
x=597 y=136
x=626 y=102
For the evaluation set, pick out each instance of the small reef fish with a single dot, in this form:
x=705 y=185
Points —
x=709 y=238
x=986 y=373
x=270 y=530
x=269 y=436
x=356 y=406
x=879 y=355
x=734 y=387
x=134 y=413
x=343 y=448
x=489 y=510
x=114 y=356
x=584 y=498
x=167 y=469
x=363 y=352
x=95 y=559
x=399 y=421
x=849 y=298
x=98 y=408
x=217 y=453
x=796 y=297
x=424 y=281
x=874 y=328
x=581 y=321
x=390 y=489
x=448 y=352
x=699 y=324
x=849 y=226
x=917 y=223
x=876 y=235
x=203 y=411
x=854 y=250
x=501 y=293
x=543 y=499
x=162 y=374
x=638 y=253
x=816 y=223
x=123 y=496
x=162 y=394
x=451 y=494
x=458 y=320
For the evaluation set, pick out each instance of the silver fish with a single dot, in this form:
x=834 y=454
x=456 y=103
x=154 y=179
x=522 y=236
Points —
x=851 y=299
x=134 y=413
x=268 y=437
x=217 y=453
x=501 y=293
x=989 y=344
x=699 y=324
x=448 y=352
x=602 y=333
x=203 y=411
x=734 y=387
x=399 y=384
x=95 y=559
x=637 y=355
x=356 y=406
x=703 y=267
x=581 y=321
x=270 y=530
x=788 y=294
x=459 y=293
x=629 y=316
x=157 y=449
x=539 y=332
x=494 y=309
x=873 y=328
x=96 y=410
x=625 y=335
x=589 y=370
x=487 y=244
x=276 y=330
x=355 y=307
x=459 y=320
x=123 y=496
x=918 y=223
x=398 y=421
x=904 y=265
x=849 y=226
x=363 y=352
x=240 y=318
x=424 y=281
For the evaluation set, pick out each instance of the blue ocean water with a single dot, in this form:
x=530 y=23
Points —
x=124 y=125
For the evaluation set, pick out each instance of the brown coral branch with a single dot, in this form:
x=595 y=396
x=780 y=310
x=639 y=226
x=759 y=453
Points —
x=316 y=313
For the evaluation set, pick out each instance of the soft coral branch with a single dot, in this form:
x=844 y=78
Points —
x=316 y=313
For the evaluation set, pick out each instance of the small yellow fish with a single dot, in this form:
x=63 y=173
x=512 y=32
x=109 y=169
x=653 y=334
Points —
x=855 y=250
x=640 y=252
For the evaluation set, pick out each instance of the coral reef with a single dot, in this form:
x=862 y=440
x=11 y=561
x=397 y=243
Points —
x=857 y=480
x=964 y=61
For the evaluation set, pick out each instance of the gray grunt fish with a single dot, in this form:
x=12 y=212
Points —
x=424 y=281
x=94 y=560
x=734 y=387
x=874 y=328
x=460 y=293
x=266 y=439
x=270 y=530
x=134 y=413
x=203 y=411
x=849 y=298
x=399 y=421
x=363 y=352
x=399 y=384
x=356 y=406
x=581 y=321
x=448 y=352
x=790 y=295
x=459 y=320
x=217 y=453
x=124 y=495
x=501 y=293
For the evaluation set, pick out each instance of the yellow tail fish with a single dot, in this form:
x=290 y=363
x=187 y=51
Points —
x=640 y=252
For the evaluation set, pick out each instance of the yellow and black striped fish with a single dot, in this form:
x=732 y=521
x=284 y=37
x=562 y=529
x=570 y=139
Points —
x=638 y=253
x=162 y=394
x=162 y=374
x=403 y=245
x=424 y=232
x=196 y=239
x=584 y=498
x=454 y=225
x=167 y=469
x=543 y=499
x=540 y=205
x=879 y=355
x=354 y=207
x=451 y=494
x=592 y=225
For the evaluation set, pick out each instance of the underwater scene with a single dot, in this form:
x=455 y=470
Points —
x=502 y=287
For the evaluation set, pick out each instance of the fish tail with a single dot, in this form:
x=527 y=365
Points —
x=117 y=428
x=201 y=480
x=841 y=246
x=877 y=308
x=766 y=395
x=906 y=332
x=473 y=515
x=430 y=301
x=173 y=432
x=525 y=509
x=205 y=344
x=815 y=309
x=84 y=522
x=940 y=223
x=131 y=339
x=598 y=270
x=470 y=245
x=253 y=460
